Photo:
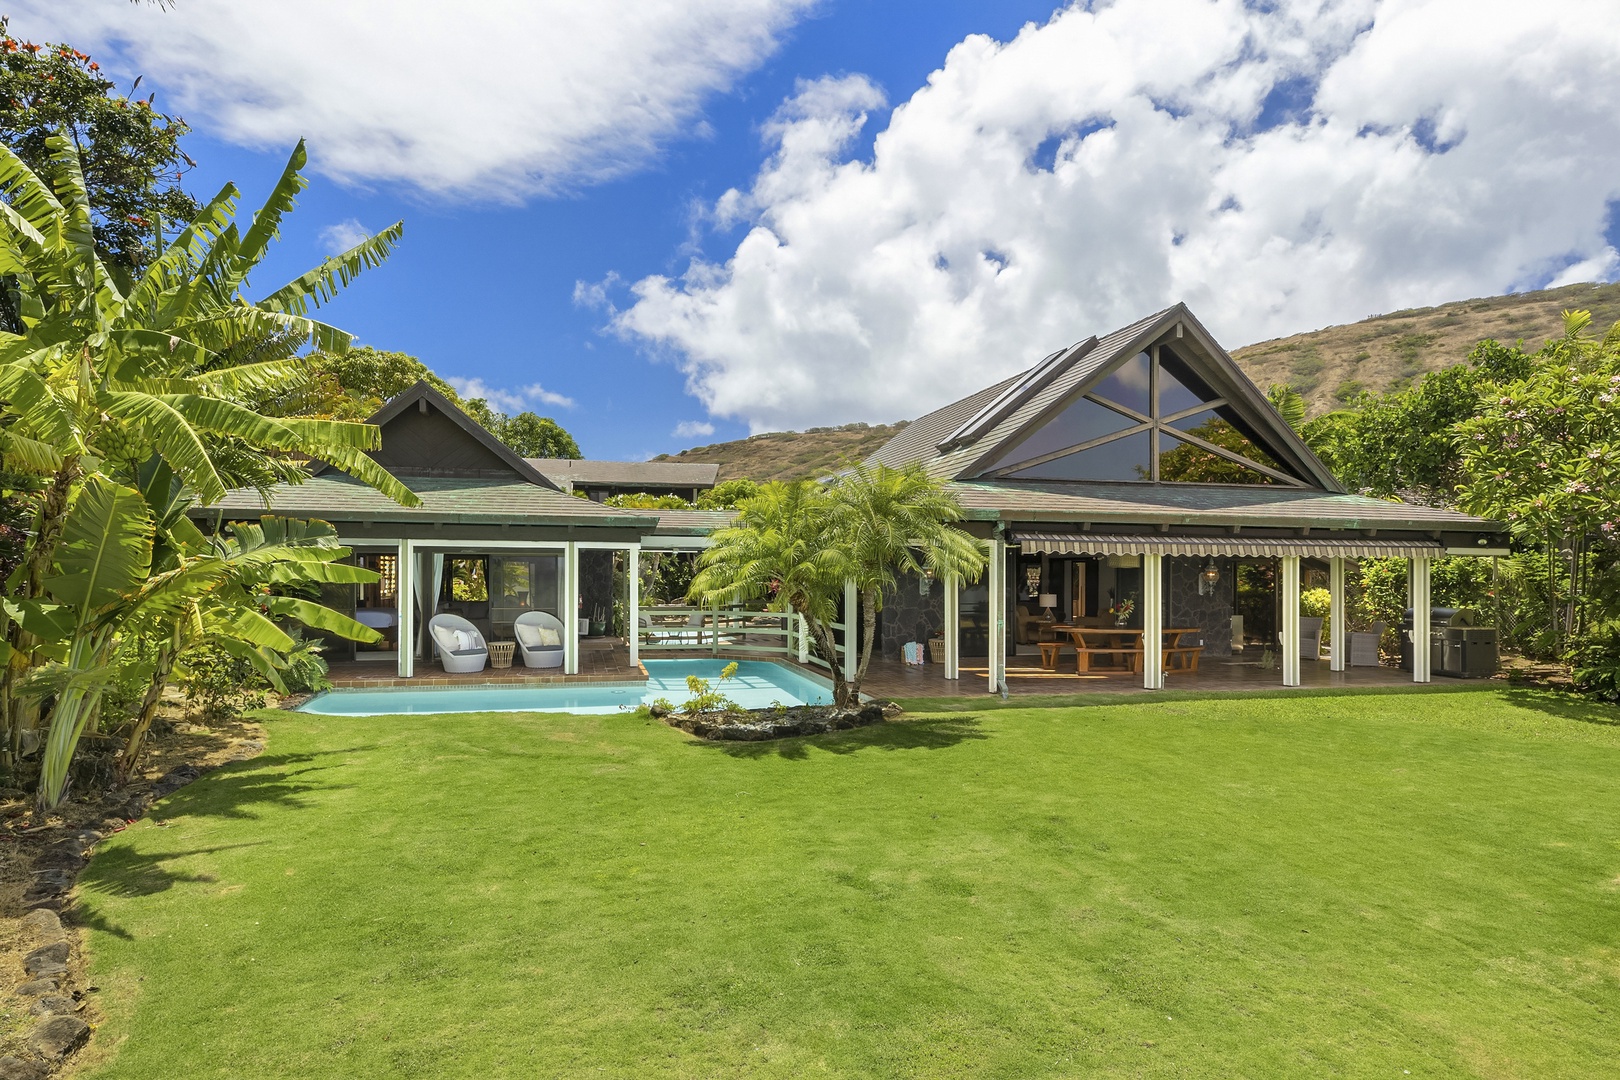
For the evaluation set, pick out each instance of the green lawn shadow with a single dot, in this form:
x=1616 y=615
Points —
x=934 y=733
x=990 y=702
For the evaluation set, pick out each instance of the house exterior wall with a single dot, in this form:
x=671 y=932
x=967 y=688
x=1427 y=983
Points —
x=1185 y=607
x=431 y=442
x=908 y=615
x=596 y=584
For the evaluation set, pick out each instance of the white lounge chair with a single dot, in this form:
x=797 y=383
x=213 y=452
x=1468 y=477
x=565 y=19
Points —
x=462 y=647
x=540 y=649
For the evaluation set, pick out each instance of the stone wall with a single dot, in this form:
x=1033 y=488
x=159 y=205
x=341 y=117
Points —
x=907 y=615
x=1212 y=613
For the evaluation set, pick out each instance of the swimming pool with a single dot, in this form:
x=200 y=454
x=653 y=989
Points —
x=758 y=684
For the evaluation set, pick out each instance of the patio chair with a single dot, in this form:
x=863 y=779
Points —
x=1310 y=638
x=539 y=638
x=1364 y=645
x=462 y=648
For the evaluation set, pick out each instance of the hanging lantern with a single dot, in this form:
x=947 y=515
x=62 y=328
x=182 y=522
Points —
x=1209 y=578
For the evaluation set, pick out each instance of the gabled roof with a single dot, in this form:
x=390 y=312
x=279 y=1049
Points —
x=682 y=474
x=952 y=441
x=424 y=397
x=445 y=500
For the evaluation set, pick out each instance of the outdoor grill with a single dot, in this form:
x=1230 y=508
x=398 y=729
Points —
x=1457 y=647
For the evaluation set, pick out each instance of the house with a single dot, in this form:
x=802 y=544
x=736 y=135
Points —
x=1141 y=471
x=1144 y=466
x=598 y=480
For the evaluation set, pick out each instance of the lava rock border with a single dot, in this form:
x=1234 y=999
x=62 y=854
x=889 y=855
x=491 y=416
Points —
x=762 y=725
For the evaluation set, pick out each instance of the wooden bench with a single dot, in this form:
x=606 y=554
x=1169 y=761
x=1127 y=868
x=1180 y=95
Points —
x=1049 y=653
x=1130 y=658
x=1187 y=653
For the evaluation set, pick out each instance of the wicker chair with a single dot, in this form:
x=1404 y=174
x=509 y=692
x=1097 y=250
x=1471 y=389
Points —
x=1364 y=646
x=527 y=627
x=458 y=655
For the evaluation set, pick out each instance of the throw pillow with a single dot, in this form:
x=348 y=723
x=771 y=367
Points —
x=548 y=636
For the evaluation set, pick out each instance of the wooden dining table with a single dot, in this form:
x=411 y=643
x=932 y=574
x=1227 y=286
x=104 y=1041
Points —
x=1091 y=640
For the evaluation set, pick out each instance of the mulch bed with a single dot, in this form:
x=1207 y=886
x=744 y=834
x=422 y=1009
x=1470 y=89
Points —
x=759 y=725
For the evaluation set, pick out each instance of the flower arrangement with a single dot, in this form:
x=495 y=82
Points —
x=1122 y=611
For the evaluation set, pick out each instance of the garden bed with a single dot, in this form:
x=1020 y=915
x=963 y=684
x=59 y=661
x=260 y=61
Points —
x=792 y=722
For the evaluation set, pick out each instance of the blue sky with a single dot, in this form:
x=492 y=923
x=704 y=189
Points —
x=1036 y=187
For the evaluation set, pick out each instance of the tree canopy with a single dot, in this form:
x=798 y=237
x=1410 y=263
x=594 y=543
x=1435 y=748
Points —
x=130 y=152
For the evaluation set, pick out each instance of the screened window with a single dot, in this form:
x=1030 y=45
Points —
x=1186 y=433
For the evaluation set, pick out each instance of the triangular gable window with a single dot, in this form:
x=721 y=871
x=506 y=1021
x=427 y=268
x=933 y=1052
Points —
x=1149 y=419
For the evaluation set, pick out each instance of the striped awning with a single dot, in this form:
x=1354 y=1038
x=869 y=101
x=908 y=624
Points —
x=1241 y=546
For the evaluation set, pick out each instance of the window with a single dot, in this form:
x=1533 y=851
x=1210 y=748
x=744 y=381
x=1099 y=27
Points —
x=1152 y=418
x=465 y=579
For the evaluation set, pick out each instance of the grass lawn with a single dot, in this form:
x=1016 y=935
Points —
x=1298 y=885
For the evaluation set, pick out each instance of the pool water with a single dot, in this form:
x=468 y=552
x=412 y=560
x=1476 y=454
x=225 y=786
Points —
x=757 y=685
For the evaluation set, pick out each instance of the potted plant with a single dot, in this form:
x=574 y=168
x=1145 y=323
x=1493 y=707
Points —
x=598 y=621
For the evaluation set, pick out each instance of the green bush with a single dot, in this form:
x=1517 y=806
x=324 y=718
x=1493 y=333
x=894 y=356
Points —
x=218 y=685
x=1315 y=603
x=1596 y=661
x=707 y=699
x=306 y=668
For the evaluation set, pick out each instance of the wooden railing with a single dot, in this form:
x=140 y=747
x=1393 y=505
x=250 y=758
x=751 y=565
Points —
x=712 y=631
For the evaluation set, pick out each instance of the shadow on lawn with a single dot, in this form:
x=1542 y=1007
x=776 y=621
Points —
x=235 y=789
x=1565 y=706
x=122 y=871
x=934 y=733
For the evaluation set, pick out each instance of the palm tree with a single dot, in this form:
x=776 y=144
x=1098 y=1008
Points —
x=893 y=522
x=796 y=545
x=96 y=381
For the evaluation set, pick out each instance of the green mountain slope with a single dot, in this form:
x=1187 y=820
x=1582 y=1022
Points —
x=789 y=455
x=1327 y=366
x=1330 y=366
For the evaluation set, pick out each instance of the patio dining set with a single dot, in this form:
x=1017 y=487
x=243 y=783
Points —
x=1119 y=648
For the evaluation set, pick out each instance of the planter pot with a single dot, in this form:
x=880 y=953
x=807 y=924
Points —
x=598 y=628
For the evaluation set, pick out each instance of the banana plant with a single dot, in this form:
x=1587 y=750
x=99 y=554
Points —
x=104 y=593
x=93 y=375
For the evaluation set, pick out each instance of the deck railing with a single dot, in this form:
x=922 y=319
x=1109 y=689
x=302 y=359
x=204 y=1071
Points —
x=732 y=630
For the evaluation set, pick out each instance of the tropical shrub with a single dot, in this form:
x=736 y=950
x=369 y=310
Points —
x=219 y=685
x=710 y=699
x=1596 y=661
x=1315 y=603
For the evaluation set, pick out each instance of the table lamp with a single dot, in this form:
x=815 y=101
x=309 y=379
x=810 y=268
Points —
x=1048 y=601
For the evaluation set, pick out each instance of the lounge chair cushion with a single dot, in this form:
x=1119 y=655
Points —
x=549 y=636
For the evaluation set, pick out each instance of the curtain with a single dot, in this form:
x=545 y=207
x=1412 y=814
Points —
x=429 y=569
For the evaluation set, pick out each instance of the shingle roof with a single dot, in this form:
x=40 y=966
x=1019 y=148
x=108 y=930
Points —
x=444 y=499
x=1199 y=504
x=692 y=522
x=628 y=473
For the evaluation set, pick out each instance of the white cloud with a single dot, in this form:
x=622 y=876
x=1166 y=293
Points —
x=1113 y=161
x=491 y=99
x=509 y=400
x=336 y=239
x=692 y=429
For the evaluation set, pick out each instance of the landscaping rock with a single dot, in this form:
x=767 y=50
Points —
x=15 y=1068
x=41 y=926
x=47 y=958
x=41 y=984
x=63 y=855
x=758 y=725
x=54 y=1005
x=58 y=1037
x=175 y=779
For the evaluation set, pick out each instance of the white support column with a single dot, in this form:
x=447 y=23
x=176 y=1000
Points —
x=1153 y=622
x=1417 y=580
x=1339 y=660
x=570 y=609
x=953 y=626
x=852 y=621
x=405 y=605
x=996 y=648
x=632 y=562
x=1290 y=620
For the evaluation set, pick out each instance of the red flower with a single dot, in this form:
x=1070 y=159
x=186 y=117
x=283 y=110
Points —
x=95 y=67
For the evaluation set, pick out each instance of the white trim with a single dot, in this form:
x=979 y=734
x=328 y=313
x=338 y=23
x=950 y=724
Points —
x=953 y=627
x=632 y=629
x=1481 y=552
x=473 y=547
x=1153 y=622
x=1418 y=590
x=570 y=610
x=1338 y=659
x=852 y=634
x=996 y=647
x=676 y=543
x=1290 y=620
x=405 y=599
